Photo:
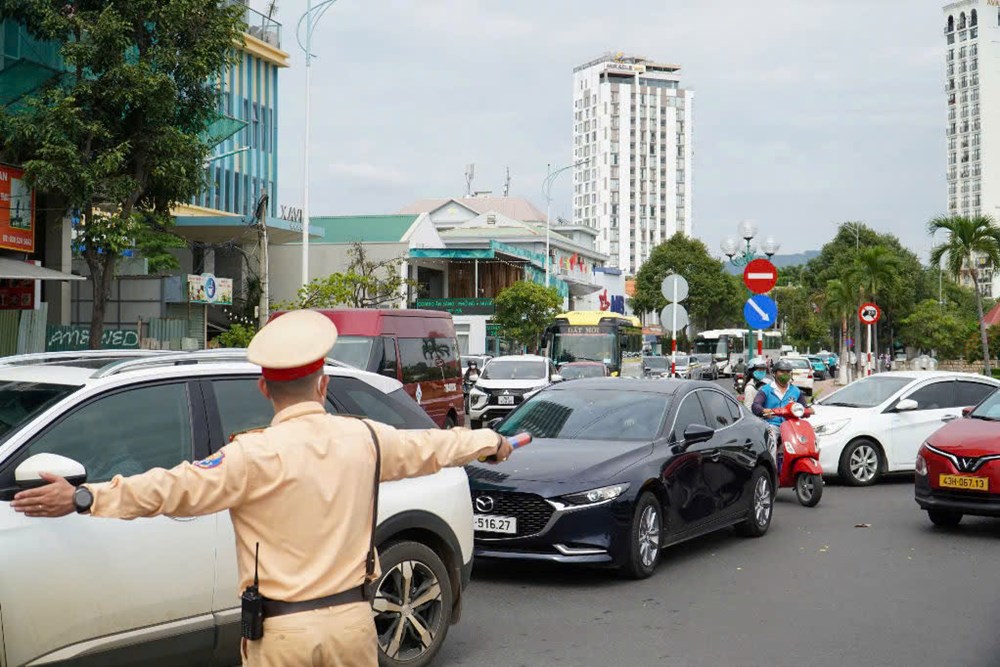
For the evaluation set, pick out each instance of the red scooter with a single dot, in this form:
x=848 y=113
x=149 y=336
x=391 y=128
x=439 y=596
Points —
x=800 y=466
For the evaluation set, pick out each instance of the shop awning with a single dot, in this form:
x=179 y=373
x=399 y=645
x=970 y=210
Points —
x=18 y=270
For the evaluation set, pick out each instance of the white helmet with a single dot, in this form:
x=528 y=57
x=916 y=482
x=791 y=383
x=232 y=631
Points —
x=758 y=362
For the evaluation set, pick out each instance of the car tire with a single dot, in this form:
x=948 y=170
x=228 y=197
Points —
x=861 y=463
x=449 y=421
x=475 y=423
x=410 y=570
x=645 y=538
x=808 y=489
x=761 y=504
x=945 y=518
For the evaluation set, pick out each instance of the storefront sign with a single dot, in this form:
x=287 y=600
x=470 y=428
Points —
x=72 y=338
x=17 y=294
x=458 y=306
x=492 y=329
x=17 y=211
x=291 y=214
x=208 y=289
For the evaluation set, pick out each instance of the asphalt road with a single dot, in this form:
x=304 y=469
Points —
x=816 y=590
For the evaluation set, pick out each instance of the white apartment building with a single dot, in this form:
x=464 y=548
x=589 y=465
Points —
x=632 y=146
x=972 y=89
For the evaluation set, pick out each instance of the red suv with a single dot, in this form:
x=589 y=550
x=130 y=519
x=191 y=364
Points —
x=958 y=467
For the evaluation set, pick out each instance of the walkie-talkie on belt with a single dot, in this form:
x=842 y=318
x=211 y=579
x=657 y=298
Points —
x=252 y=624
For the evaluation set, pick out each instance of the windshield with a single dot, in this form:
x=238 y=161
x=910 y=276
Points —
x=989 y=409
x=867 y=392
x=353 y=350
x=683 y=362
x=583 y=347
x=591 y=414
x=655 y=362
x=715 y=347
x=20 y=401
x=582 y=371
x=515 y=370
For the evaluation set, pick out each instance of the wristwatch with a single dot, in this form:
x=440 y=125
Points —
x=82 y=500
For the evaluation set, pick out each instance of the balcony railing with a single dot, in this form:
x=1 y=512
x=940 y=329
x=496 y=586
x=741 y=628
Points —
x=260 y=25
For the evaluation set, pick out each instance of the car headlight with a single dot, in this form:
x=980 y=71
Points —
x=477 y=396
x=832 y=427
x=921 y=466
x=600 y=495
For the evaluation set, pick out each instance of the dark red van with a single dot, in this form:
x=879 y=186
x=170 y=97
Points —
x=416 y=347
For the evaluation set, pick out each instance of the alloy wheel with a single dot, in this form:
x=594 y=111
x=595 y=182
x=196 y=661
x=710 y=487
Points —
x=407 y=610
x=649 y=536
x=762 y=501
x=864 y=463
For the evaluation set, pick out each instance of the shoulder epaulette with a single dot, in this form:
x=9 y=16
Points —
x=259 y=429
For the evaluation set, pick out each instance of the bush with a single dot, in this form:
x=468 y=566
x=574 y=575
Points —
x=239 y=335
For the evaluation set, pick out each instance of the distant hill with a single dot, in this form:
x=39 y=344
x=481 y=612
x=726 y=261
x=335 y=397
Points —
x=781 y=261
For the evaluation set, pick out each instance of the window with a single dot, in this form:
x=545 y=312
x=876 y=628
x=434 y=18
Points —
x=125 y=433
x=716 y=409
x=935 y=396
x=241 y=406
x=388 y=365
x=360 y=399
x=591 y=414
x=690 y=412
x=427 y=359
x=973 y=18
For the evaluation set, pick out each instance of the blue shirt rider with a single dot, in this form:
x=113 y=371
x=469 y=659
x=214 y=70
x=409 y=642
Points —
x=776 y=395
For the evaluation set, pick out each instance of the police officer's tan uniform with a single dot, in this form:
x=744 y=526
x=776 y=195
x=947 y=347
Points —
x=302 y=488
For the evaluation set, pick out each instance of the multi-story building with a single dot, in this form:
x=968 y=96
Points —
x=632 y=149
x=972 y=88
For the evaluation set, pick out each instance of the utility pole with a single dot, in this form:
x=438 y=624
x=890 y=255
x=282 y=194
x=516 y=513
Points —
x=260 y=214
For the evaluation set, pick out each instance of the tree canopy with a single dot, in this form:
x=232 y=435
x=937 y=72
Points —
x=524 y=309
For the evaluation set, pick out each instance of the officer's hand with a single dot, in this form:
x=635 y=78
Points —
x=502 y=454
x=52 y=500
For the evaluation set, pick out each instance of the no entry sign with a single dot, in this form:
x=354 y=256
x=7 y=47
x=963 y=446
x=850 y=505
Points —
x=760 y=276
x=869 y=313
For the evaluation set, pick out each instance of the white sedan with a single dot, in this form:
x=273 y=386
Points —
x=877 y=424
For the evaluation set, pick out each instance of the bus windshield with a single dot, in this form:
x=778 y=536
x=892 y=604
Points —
x=583 y=347
x=715 y=346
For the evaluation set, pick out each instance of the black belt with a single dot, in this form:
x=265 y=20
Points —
x=279 y=608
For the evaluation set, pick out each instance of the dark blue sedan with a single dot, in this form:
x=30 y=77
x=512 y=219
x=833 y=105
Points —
x=620 y=469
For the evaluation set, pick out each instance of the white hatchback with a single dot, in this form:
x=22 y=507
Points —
x=163 y=591
x=802 y=373
x=876 y=425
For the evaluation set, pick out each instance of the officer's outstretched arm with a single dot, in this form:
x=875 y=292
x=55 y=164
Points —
x=189 y=489
x=416 y=453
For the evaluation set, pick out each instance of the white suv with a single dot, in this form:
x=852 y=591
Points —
x=163 y=591
x=506 y=382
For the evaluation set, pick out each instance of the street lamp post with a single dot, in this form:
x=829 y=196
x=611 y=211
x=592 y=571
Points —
x=741 y=257
x=547 y=192
x=311 y=17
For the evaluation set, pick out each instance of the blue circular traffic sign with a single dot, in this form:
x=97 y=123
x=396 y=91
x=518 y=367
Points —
x=760 y=312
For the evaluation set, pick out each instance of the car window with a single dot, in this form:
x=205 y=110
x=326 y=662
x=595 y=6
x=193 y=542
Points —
x=689 y=412
x=499 y=369
x=716 y=409
x=22 y=401
x=361 y=399
x=589 y=414
x=935 y=396
x=799 y=363
x=867 y=392
x=972 y=393
x=428 y=359
x=387 y=366
x=125 y=433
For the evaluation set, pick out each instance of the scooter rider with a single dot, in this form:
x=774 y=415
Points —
x=471 y=373
x=775 y=395
x=755 y=378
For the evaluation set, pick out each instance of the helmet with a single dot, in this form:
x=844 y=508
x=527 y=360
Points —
x=758 y=362
x=783 y=365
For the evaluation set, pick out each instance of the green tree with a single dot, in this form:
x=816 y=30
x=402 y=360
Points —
x=799 y=311
x=876 y=269
x=715 y=297
x=932 y=327
x=239 y=335
x=367 y=283
x=967 y=239
x=839 y=306
x=122 y=135
x=524 y=309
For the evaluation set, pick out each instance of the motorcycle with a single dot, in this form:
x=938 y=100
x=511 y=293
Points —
x=467 y=385
x=800 y=468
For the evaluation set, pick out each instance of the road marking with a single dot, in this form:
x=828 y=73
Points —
x=760 y=311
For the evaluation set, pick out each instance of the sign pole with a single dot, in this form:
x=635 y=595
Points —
x=868 y=365
x=760 y=342
x=673 y=337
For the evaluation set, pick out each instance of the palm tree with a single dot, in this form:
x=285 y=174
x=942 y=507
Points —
x=969 y=238
x=875 y=267
x=838 y=302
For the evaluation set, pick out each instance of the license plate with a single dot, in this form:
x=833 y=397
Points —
x=505 y=400
x=965 y=482
x=495 y=524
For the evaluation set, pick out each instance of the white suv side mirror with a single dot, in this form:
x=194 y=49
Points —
x=556 y=377
x=27 y=475
x=906 y=405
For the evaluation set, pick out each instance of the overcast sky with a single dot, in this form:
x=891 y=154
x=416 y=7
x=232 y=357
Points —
x=806 y=113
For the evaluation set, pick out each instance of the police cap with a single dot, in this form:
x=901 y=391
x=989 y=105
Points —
x=292 y=345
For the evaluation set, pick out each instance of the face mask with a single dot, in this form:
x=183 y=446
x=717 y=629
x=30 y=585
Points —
x=759 y=375
x=783 y=378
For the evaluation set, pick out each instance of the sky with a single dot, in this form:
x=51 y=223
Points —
x=806 y=114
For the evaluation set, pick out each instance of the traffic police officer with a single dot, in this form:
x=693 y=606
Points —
x=302 y=489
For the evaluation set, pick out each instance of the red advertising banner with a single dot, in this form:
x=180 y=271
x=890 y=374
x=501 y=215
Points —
x=17 y=211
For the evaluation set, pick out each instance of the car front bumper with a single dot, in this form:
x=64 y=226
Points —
x=965 y=502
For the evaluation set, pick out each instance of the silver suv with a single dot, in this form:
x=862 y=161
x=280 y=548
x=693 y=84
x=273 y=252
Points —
x=163 y=591
x=506 y=382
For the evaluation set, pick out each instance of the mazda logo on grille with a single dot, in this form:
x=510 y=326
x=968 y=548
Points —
x=484 y=504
